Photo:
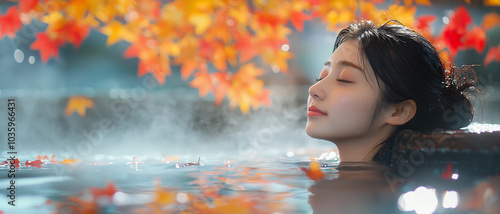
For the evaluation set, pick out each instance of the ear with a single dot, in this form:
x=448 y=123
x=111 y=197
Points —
x=402 y=112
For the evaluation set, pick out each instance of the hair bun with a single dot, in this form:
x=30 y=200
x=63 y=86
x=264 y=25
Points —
x=457 y=107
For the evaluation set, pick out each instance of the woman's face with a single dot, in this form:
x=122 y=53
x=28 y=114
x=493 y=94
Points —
x=341 y=105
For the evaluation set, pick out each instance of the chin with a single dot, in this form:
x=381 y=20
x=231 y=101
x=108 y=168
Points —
x=314 y=133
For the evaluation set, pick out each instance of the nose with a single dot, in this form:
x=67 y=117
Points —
x=315 y=91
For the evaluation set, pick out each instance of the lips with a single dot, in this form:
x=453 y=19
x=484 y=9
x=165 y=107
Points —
x=313 y=111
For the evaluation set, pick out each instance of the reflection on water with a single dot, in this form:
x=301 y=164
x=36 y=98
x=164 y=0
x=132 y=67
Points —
x=272 y=185
x=432 y=188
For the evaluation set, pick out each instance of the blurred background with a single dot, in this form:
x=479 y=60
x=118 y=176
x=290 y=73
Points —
x=134 y=113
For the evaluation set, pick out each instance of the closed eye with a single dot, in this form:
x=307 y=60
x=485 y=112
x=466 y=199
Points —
x=341 y=80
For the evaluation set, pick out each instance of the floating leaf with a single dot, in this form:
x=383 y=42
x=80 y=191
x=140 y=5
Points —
x=35 y=163
x=78 y=104
x=68 y=161
x=314 y=172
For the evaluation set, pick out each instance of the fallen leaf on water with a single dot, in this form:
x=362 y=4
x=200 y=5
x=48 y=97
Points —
x=448 y=172
x=35 y=163
x=78 y=104
x=69 y=161
x=168 y=159
x=314 y=172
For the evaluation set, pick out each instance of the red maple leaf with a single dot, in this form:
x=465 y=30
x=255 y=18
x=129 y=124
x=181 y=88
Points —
x=456 y=29
x=74 y=32
x=10 y=23
x=268 y=18
x=16 y=162
x=27 y=5
x=475 y=38
x=247 y=49
x=35 y=163
x=423 y=22
x=48 y=47
x=492 y=55
x=298 y=18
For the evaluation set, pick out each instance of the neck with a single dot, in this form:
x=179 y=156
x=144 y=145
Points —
x=363 y=148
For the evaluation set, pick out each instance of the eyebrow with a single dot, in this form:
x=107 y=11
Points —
x=344 y=63
x=350 y=64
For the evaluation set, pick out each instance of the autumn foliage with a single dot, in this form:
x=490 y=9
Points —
x=217 y=42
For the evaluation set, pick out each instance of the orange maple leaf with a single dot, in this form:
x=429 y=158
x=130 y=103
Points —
x=202 y=81
x=265 y=18
x=68 y=161
x=27 y=5
x=298 y=18
x=73 y=32
x=48 y=47
x=491 y=2
x=223 y=82
x=490 y=21
x=314 y=172
x=10 y=23
x=246 y=46
x=78 y=104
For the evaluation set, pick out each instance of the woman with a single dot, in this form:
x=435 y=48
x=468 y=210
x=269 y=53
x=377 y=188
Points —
x=381 y=80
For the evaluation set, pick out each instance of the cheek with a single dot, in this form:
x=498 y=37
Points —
x=353 y=110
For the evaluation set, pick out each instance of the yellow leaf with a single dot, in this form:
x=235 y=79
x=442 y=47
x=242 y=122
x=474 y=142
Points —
x=54 y=20
x=78 y=8
x=78 y=104
x=116 y=32
x=69 y=161
x=405 y=15
x=201 y=22
x=491 y=2
x=423 y=2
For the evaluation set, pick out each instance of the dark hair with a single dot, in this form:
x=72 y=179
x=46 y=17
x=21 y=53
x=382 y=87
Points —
x=407 y=66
